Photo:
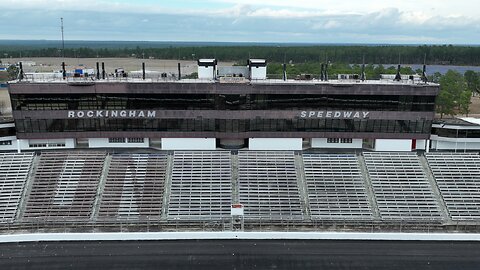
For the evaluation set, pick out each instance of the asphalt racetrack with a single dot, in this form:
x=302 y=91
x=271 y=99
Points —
x=242 y=254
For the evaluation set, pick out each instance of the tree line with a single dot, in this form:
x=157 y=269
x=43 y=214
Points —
x=433 y=54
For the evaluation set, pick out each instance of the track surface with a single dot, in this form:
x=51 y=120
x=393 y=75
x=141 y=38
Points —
x=241 y=254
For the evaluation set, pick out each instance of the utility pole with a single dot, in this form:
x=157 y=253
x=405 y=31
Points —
x=63 y=40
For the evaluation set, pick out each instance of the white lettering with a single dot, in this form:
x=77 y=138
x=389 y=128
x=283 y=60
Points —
x=151 y=113
x=356 y=115
x=337 y=114
x=125 y=113
x=365 y=114
x=320 y=114
x=328 y=115
x=347 y=114
x=311 y=114
x=303 y=114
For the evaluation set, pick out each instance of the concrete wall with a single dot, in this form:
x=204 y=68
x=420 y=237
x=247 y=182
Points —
x=103 y=143
x=461 y=144
x=421 y=144
x=275 y=143
x=322 y=143
x=393 y=145
x=49 y=144
x=258 y=73
x=5 y=104
x=13 y=146
x=205 y=72
x=188 y=143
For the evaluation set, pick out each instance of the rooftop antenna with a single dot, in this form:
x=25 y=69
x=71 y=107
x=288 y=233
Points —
x=321 y=68
x=285 y=67
x=325 y=70
x=398 y=76
x=362 y=76
x=424 y=71
x=20 y=72
x=321 y=72
x=63 y=40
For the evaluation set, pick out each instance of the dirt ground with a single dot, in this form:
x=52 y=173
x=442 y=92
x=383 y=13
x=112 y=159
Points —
x=48 y=64
x=474 y=107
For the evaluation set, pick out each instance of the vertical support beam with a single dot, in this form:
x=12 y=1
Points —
x=179 y=72
x=98 y=71
x=103 y=70
x=64 y=71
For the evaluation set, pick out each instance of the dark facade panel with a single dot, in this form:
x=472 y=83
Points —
x=218 y=114
x=194 y=127
x=132 y=134
x=226 y=88
x=27 y=102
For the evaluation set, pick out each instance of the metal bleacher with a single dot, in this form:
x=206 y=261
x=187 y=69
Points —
x=268 y=188
x=201 y=185
x=134 y=187
x=458 y=178
x=14 y=169
x=335 y=187
x=401 y=187
x=64 y=186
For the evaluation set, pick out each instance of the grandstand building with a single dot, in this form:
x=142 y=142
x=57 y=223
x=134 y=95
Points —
x=228 y=107
x=457 y=134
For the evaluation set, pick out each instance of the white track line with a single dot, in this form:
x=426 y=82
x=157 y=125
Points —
x=130 y=236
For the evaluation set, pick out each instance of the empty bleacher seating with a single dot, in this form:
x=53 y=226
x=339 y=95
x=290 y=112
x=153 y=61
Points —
x=335 y=187
x=401 y=187
x=458 y=178
x=64 y=186
x=268 y=186
x=14 y=169
x=134 y=187
x=201 y=186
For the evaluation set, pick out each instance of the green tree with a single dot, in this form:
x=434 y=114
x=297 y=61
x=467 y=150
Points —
x=465 y=99
x=453 y=90
x=12 y=72
x=473 y=81
x=435 y=77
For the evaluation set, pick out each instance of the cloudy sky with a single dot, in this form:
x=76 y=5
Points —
x=316 y=21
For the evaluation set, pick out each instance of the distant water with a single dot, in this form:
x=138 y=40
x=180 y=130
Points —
x=431 y=69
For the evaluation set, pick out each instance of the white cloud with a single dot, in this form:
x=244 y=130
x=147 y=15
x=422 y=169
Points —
x=329 y=24
x=268 y=20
